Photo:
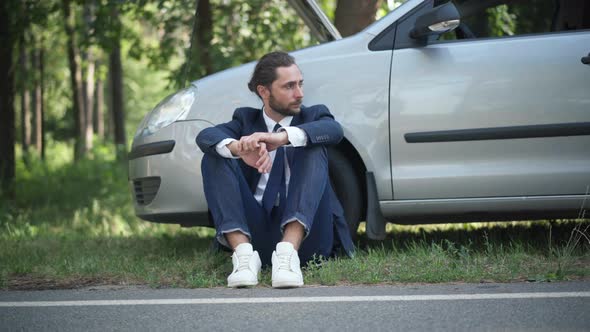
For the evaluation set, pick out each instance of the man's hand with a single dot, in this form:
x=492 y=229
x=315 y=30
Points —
x=258 y=158
x=273 y=141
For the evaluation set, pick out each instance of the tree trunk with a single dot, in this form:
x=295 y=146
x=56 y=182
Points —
x=352 y=16
x=204 y=34
x=7 y=163
x=99 y=109
x=25 y=97
x=89 y=102
x=42 y=97
x=88 y=84
x=37 y=99
x=81 y=113
x=75 y=80
x=109 y=124
x=32 y=77
x=116 y=71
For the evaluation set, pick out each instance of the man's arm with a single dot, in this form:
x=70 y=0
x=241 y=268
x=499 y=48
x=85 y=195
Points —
x=320 y=127
x=215 y=140
x=272 y=141
x=208 y=138
x=296 y=137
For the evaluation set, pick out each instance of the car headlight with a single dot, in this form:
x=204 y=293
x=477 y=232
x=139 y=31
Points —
x=173 y=108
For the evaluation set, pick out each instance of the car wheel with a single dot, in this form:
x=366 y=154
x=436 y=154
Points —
x=347 y=186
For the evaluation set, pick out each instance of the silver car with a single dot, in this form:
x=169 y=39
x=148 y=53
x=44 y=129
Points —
x=446 y=119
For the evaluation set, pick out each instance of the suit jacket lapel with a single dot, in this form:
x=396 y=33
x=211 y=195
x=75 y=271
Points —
x=259 y=125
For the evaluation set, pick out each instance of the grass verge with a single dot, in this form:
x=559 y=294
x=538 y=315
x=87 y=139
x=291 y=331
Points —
x=184 y=260
x=72 y=225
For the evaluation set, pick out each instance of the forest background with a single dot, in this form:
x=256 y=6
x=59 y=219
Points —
x=84 y=72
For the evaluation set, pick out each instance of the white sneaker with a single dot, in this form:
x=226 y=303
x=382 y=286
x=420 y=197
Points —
x=246 y=267
x=286 y=271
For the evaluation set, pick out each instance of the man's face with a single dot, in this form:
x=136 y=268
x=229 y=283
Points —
x=286 y=92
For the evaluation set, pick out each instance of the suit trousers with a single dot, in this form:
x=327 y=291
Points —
x=234 y=208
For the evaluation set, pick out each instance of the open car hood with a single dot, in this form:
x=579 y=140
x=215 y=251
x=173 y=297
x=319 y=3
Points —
x=316 y=20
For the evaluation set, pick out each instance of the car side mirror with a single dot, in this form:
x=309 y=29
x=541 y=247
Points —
x=436 y=21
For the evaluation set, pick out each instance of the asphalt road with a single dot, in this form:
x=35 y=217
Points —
x=521 y=306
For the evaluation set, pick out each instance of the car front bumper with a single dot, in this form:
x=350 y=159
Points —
x=165 y=175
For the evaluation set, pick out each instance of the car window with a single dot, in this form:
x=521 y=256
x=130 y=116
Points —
x=503 y=18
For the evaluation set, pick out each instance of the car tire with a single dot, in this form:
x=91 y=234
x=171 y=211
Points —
x=347 y=186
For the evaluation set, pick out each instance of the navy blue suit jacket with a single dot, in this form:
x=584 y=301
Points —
x=316 y=121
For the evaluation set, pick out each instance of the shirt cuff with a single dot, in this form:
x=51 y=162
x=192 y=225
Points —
x=223 y=150
x=297 y=137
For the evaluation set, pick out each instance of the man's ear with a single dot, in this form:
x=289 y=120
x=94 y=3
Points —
x=263 y=91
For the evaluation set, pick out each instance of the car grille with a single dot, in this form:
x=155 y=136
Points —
x=146 y=189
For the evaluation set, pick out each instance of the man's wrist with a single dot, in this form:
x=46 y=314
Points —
x=233 y=148
x=284 y=138
x=223 y=149
x=296 y=137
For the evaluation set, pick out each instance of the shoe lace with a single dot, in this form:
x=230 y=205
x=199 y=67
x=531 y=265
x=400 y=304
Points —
x=243 y=262
x=284 y=262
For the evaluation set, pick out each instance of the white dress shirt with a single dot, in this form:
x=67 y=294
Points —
x=296 y=136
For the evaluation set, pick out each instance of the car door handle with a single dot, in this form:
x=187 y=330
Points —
x=586 y=59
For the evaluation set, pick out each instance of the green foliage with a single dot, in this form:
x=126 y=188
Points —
x=501 y=21
x=388 y=6
x=243 y=31
x=74 y=224
x=329 y=8
x=155 y=36
x=56 y=197
x=144 y=88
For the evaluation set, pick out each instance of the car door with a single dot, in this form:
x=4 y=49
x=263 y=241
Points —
x=493 y=110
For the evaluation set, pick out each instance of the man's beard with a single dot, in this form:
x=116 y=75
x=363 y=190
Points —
x=285 y=111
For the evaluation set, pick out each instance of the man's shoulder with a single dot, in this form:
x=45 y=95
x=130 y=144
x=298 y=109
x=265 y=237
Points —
x=247 y=112
x=314 y=108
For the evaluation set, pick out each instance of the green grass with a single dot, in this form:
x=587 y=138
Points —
x=184 y=260
x=180 y=260
x=425 y=261
x=73 y=225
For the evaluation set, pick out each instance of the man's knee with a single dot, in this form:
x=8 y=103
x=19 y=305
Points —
x=312 y=157
x=318 y=151
x=213 y=163
x=211 y=160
